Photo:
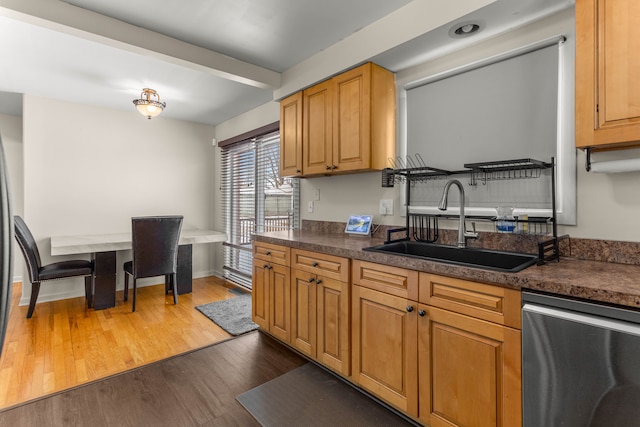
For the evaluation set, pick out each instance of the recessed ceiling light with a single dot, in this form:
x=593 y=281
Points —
x=464 y=29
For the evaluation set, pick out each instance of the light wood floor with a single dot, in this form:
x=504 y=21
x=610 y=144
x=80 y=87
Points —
x=65 y=344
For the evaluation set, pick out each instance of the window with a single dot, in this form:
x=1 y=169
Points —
x=512 y=105
x=255 y=199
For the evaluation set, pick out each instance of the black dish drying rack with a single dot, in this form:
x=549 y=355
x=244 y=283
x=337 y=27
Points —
x=424 y=227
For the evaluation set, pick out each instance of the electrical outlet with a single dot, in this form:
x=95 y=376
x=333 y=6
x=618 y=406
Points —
x=316 y=194
x=310 y=207
x=386 y=207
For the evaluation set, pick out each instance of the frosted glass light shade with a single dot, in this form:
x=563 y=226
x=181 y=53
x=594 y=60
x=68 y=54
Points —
x=149 y=107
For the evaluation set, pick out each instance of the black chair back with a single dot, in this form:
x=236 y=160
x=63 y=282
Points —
x=155 y=245
x=29 y=248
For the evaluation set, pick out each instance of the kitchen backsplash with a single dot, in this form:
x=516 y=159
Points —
x=587 y=249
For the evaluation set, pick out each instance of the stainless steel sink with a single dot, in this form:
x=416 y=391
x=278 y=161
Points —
x=468 y=257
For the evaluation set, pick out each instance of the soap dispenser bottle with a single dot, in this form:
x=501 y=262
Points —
x=505 y=221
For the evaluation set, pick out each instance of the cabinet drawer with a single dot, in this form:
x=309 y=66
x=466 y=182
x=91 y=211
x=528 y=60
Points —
x=269 y=252
x=322 y=264
x=391 y=280
x=492 y=303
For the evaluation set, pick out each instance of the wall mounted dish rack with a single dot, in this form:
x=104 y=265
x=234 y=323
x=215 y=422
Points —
x=424 y=227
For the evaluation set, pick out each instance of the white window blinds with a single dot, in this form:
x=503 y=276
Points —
x=255 y=199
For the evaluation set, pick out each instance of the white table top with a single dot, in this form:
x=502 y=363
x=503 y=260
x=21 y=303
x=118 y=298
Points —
x=90 y=243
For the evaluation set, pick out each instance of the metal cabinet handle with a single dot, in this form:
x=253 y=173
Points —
x=265 y=266
x=334 y=167
x=298 y=171
x=327 y=167
x=311 y=279
x=268 y=253
x=318 y=281
x=421 y=313
x=315 y=264
x=409 y=308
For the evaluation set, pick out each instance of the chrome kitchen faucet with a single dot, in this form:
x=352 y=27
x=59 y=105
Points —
x=463 y=234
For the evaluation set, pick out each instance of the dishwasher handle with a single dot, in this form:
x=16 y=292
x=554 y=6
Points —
x=584 y=318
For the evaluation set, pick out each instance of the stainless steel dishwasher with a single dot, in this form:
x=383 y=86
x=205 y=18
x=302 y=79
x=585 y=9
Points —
x=580 y=363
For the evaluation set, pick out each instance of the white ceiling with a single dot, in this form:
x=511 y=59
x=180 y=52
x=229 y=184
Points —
x=221 y=58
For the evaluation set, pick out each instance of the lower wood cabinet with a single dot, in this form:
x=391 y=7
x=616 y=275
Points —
x=270 y=298
x=304 y=302
x=385 y=339
x=320 y=311
x=320 y=319
x=452 y=358
x=445 y=351
x=469 y=371
x=260 y=280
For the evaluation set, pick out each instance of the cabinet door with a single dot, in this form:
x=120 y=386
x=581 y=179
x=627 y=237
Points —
x=317 y=133
x=385 y=347
x=279 y=303
x=291 y=135
x=303 y=312
x=334 y=325
x=352 y=120
x=260 y=294
x=470 y=371
x=607 y=64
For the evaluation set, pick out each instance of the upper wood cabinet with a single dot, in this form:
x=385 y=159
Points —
x=291 y=135
x=348 y=124
x=317 y=129
x=607 y=65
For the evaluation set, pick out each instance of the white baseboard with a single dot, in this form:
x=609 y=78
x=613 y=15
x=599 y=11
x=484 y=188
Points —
x=56 y=296
x=79 y=292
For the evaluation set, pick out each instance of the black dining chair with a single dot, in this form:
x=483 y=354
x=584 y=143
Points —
x=39 y=273
x=155 y=252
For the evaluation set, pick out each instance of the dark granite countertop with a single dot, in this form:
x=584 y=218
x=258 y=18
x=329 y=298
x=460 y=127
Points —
x=592 y=280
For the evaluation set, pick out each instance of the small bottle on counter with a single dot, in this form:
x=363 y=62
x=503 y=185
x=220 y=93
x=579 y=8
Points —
x=524 y=225
x=505 y=221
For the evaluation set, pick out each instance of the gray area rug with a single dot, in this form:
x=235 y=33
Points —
x=311 y=396
x=233 y=315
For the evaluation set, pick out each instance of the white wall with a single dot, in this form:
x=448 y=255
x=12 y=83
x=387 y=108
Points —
x=607 y=205
x=89 y=170
x=11 y=132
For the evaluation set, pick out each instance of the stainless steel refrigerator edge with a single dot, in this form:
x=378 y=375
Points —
x=580 y=363
x=6 y=246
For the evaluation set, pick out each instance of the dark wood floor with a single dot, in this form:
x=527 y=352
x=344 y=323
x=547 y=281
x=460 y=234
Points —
x=194 y=389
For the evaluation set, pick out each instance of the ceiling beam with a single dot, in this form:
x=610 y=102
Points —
x=79 y=22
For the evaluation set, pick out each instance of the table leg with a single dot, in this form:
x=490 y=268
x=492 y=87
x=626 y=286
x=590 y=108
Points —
x=88 y=290
x=185 y=273
x=104 y=287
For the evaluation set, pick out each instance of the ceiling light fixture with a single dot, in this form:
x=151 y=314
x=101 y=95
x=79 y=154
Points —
x=149 y=107
x=464 y=29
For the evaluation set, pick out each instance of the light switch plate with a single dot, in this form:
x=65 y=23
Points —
x=310 y=207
